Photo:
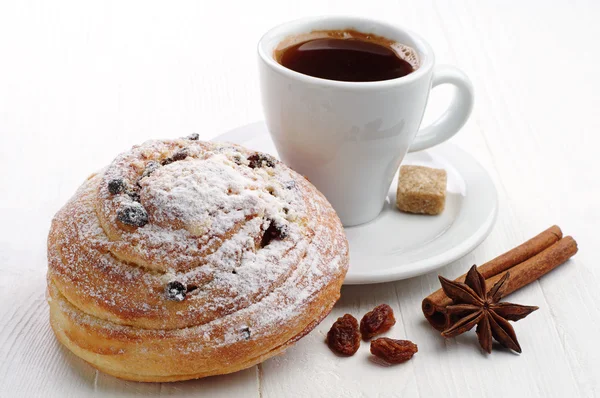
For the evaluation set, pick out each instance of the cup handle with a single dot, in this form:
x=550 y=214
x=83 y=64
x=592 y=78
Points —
x=455 y=116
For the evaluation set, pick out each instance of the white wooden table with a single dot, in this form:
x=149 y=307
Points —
x=82 y=82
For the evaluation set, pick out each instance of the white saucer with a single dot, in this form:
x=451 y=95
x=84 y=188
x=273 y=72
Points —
x=397 y=245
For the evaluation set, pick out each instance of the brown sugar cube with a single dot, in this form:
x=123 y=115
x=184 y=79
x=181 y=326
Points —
x=421 y=190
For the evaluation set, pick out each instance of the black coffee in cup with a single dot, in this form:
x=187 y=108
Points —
x=348 y=55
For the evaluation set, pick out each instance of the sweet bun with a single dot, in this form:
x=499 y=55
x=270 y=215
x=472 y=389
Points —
x=184 y=259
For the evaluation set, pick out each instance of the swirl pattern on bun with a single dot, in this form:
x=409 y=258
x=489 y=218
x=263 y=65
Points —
x=184 y=259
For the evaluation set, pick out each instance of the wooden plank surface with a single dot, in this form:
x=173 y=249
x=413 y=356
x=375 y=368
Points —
x=80 y=82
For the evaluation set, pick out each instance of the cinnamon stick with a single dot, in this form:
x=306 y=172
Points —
x=537 y=266
x=526 y=263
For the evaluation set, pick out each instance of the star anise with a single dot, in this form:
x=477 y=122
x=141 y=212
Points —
x=475 y=305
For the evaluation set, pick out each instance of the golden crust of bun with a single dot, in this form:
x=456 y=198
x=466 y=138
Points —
x=185 y=259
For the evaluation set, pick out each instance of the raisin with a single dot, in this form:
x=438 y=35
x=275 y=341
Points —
x=393 y=351
x=180 y=154
x=344 y=337
x=379 y=320
x=193 y=137
x=260 y=160
x=274 y=231
x=291 y=184
x=116 y=186
x=246 y=333
x=176 y=291
x=133 y=214
x=151 y=167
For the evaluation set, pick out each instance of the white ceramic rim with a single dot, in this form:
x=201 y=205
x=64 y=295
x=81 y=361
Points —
x=479 y=183
x=306 y=25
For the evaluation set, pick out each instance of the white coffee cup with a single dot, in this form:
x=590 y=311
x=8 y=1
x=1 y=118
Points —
x=349 y=138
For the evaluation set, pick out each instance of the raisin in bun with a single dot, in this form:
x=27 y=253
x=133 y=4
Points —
x=185 y=259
